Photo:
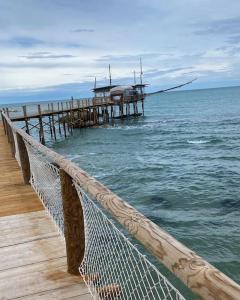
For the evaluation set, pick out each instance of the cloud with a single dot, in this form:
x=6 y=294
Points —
x=157 y=73
x=222 y=26
x=22 y=41
x=79 y=30
x=46 y=55
x=128 y=57
x=235 y=39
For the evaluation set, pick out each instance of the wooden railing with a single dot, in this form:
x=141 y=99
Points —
x=198 y=275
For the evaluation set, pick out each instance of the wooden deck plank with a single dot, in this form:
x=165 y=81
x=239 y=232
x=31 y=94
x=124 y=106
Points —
x=36 y=251
x=32 y=253
x=36 y=278
x=69 y=292
x=16 y=197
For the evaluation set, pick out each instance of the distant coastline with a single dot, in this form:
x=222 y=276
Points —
x=50 y=97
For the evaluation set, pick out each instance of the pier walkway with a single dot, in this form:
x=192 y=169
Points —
x=32 y=252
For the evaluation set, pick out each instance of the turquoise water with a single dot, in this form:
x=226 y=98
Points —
x=179 y=165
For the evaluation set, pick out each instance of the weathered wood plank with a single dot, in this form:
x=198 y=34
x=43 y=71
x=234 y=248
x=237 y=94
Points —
x=69 y=292
x=36 y=278
x=31 y=252
x=22 y=228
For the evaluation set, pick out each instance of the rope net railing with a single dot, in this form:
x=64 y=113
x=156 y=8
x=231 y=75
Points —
x=45 y=180
x=112 y=266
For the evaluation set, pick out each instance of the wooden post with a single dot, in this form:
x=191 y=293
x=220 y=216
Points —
x=11 y=140
x=78 y=113
x=41 y=131
x=25 y=119
x=3 y=121
x=73 y=223
x=71 y=118
x=53 y=122
x=64 y=121
x=59 y=123
x=24 y=160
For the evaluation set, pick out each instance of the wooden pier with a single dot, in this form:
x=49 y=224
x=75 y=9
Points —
x=32 y=253
x=60 y=118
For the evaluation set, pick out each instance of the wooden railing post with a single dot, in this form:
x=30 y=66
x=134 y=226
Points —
x=73 y=224
x=24 y=160
x=3 y=121
x=11 y=140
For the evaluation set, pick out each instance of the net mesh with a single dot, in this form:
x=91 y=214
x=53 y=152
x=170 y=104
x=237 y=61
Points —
x=45 y=180
x=113 y=267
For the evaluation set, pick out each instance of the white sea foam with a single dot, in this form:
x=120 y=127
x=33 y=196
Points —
x=198 y=142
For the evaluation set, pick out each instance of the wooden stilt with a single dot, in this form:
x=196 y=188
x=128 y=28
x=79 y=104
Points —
x=143 y=107
x=41 y=130
x=25 y=119
x=63 y=121
x=78 y=112
x=53 y=122
x=59 y=123
x=71 y=118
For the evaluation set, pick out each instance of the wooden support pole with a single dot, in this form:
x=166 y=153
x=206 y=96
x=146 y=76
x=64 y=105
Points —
x=71 y=118
x=136 y=103
x=53 y=122
x=41 y=130
x=63 y=121
x=24 y=160
x=7 y=111
x=50 y=123
x=73 y=223
x=78 y=112
x=25 y=119
x=59 y=123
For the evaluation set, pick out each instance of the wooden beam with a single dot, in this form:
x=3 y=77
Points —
x=73 y=224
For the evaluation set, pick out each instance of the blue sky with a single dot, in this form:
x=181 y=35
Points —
x=53 y=49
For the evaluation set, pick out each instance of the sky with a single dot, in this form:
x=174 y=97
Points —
x=53 y=49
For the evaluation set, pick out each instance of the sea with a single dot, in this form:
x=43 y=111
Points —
x=179 y=165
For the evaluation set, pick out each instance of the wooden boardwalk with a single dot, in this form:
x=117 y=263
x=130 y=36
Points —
x=32 y=253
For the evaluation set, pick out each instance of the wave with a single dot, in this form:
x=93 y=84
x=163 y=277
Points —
x=199 y=142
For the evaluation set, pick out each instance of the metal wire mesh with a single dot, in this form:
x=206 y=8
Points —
x=113 y=267
x=45 y=180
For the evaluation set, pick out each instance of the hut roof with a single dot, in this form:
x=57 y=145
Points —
x=106 y=88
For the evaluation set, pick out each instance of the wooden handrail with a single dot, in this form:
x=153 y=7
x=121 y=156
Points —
x=198 y=275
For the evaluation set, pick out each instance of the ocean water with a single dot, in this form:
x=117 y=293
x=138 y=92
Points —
x=179 y=165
